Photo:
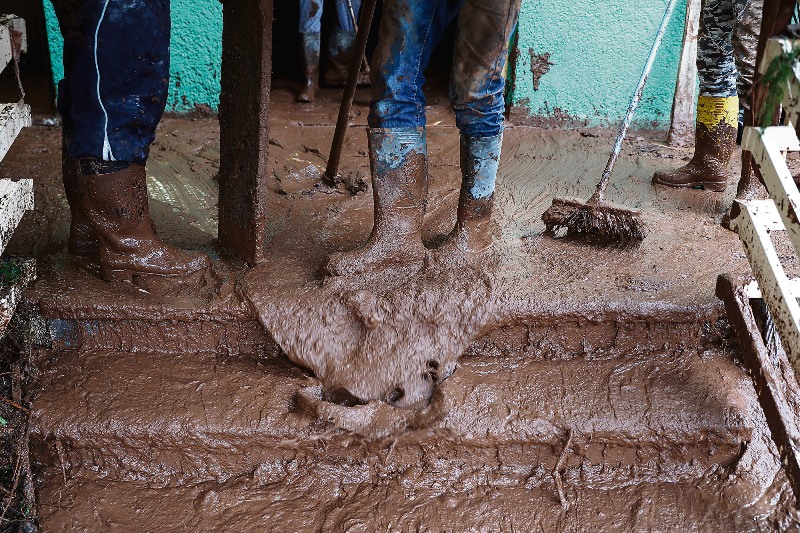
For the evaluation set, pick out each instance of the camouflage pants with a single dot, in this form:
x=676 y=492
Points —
x=726 y=49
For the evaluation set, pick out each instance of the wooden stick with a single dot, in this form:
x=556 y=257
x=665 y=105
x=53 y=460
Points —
x=360 y=45
x=681 y=131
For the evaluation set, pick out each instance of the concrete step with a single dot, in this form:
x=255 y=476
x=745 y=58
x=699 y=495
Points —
x=84 y=313
x=320 y=503
x=192 y=418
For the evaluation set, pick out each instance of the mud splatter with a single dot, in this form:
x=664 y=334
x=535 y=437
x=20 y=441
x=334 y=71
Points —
x=540 y=65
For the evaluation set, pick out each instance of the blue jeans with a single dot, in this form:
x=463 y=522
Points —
x=410 y=30
x=116 y=76
x=311 y=15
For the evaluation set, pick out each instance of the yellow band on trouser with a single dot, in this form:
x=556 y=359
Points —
x=712 y=110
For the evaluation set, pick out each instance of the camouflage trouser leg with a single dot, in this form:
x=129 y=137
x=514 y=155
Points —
x=745 y=45
x=716 y=62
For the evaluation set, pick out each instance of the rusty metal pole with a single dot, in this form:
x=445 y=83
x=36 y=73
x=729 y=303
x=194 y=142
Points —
x=359 y=47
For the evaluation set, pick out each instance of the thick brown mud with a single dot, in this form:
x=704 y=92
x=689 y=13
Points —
x=553 y=386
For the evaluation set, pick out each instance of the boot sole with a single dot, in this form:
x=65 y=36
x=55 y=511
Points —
x=711 y=186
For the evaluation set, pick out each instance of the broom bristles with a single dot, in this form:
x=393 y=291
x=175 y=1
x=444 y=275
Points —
x=603 y=222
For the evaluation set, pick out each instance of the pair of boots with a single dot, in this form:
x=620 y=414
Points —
x=715 y=140
x=399 y=165
x=110 y=216
x=341 y=45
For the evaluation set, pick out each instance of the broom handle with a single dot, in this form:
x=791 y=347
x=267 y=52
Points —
x=599 y=196
x=364 y=62
x=359 y=47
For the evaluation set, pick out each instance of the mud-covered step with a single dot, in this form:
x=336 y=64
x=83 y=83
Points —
x=161 y=315
x=195 y=417
x=321 y=503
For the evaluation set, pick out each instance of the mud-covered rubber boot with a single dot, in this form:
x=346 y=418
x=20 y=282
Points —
x=116 y=205
x=310 y=68
x=480 y=158
x=340 y=50
x=82 y=238
x=715 y=140
x=399 y=164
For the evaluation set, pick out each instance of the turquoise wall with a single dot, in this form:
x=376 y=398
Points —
x=597 y=50
x=196 y=51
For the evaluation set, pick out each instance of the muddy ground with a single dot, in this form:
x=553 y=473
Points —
x=589 y=388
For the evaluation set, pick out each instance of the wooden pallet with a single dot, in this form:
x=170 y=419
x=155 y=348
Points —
x=755 y=222
x=16 y=196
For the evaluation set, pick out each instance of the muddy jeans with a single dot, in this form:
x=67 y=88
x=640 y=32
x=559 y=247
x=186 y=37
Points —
x=726 y=49
x=410 y=30
x=311 y=15
x=116 y=76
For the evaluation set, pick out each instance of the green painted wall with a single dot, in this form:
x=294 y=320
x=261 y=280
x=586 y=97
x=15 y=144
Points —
x=597 y=50
x=196 y=51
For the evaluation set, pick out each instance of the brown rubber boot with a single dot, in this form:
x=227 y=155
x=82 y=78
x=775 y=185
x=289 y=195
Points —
x=480 y=157
x=310 y=67
x=339 y=53
x=116 y=205
x=715 y=140
x=399 y=164
x=82 y=238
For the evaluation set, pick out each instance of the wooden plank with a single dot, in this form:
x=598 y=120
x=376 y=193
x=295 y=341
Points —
x=13 y=117
x=771 y=278
x=768 y=147
x=244 y=127
x=754 y=291
x=681 y=131
x=12 y=37
x=760 y=365
x=16 y=197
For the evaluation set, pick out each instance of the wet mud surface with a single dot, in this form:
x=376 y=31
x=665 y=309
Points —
x=620 y=353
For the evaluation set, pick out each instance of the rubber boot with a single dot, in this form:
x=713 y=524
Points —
x=399 y=164
x=715 y=140
x=341 y=48
x=310 y=67
x=480 y=157
x=82 y=238
x=116 y=205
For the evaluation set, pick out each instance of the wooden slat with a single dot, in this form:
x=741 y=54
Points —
x=768 y=271
x=13 y=117
x=754 y=291
x=10 y=24
x=681 y=131
x=16 y=197
x=759 y=363
x=768 y=147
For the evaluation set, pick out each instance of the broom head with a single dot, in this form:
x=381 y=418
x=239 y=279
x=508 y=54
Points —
x=597 y=221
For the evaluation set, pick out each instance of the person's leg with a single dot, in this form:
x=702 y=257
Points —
x=310 y=25
x=115 y=91
x=82 y=238
x=477 y=91
x=745 y=46
x=342 y=38
x=718 y=103
x=398 y=149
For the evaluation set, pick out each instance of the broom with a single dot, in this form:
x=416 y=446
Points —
x=597 y=218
